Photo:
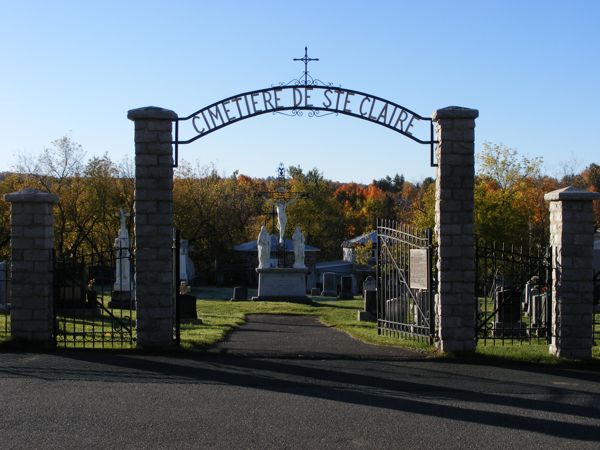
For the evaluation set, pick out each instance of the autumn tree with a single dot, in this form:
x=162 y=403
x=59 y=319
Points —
x=509 y=190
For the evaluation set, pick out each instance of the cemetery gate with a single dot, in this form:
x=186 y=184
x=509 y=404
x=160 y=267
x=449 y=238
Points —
x=405 y=297
x=513 y=293
x=94 y=305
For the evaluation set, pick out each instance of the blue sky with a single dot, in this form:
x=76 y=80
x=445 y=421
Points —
x=530 y=67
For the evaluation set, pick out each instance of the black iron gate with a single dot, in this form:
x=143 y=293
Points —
x=405 y=287
x=513 y=293
x=176 y=286
x=596 y=311
x=94 y=300
x=4 y=300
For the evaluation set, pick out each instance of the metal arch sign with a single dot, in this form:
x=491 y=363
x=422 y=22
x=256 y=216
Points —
x=293 y=100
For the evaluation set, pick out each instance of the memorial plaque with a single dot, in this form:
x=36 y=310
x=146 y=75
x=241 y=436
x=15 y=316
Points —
x=419 y=269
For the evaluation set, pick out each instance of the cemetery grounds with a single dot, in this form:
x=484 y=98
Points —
x=218 y=317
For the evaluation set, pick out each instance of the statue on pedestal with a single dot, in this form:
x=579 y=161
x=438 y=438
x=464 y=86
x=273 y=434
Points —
x=298 y=239
x=264 y=248
x=123 y=266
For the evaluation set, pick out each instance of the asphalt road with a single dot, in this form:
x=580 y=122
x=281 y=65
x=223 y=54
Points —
x=258 y=391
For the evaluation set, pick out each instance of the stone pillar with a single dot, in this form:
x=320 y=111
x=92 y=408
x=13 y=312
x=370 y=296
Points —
x=455 y=154
x=31 y=244
x=153 y=225
x=572 y=241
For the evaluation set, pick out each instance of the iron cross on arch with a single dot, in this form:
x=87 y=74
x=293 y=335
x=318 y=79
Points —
x=306 y=60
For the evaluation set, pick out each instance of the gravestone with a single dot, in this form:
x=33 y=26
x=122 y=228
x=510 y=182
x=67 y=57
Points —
x=240 y=293
x=329 y=285
x=507 y=304
x=369 y=312
x=346 y=288
x=315 y=292
x=72 y=285
x=539 y=313
x=186 y=307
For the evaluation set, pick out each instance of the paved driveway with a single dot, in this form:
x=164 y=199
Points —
x=326 y=399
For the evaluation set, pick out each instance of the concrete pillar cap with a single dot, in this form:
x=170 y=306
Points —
x=151 y=113
x=30 y=195
x=571 y=194
x=455 y=112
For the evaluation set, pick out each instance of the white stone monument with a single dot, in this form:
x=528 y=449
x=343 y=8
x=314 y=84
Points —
x=123 y=285
x=280 y=283
x=187 y=271
x=299 y=246
x=264 y=248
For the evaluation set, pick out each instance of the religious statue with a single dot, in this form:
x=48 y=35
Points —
x=281 y=217
x=123 y=268
x=298 y=239
x=264 y=248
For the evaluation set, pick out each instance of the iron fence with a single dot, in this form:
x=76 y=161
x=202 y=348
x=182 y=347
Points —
x=4 y=300
x=513 y=294
x=405 y=282
x=94 y=300
x=596 y=316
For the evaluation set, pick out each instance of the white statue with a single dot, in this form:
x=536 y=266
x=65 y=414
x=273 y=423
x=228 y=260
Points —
x=281 y=217
x=123 y=267
x=264 y=248
x=298 y=239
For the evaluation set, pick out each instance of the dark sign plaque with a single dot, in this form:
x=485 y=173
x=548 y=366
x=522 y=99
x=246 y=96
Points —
x=419 y=269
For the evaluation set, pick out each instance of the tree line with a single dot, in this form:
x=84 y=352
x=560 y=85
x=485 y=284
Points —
x=215 y=212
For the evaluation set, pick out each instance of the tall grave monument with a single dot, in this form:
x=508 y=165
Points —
x=282 y=282
x=122 y=295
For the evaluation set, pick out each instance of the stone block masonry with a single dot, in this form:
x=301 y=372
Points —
x=153 y=226
x=454 y=228
x=572 y=241
x=32 y=243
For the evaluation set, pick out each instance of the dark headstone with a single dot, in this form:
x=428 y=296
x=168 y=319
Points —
x=315 y=292
x=346 y=292
x=329 y=285
x=122 y=300
x=240 y=293
x=508 y=313
x=370 y=299
x=186 y=306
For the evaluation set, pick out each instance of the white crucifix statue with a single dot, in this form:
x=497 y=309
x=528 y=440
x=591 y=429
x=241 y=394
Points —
x=122 y=255
x=281 y=217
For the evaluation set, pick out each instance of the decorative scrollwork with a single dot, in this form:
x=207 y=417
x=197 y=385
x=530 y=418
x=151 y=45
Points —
x=309 y=81
x=318 y=113
x=292 y=113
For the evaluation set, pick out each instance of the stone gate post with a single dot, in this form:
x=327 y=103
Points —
x=31 y=246
x=153 y=225
x=455 y=181
x=572 y=241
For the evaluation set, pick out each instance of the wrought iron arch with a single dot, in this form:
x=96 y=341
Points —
x=292 y=100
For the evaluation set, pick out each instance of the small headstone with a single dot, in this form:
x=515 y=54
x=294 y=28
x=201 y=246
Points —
x=369 y=312
x=315 y=292
x=186 y=307
x=508 y=316
x=240 y=293
x=370 y=284
x=329 y=285
x=346 y=288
